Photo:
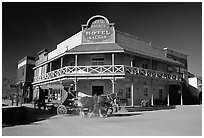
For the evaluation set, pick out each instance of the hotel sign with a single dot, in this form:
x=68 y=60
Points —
x=98 y=30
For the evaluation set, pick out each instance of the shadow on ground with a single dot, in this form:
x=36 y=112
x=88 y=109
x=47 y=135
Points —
x=150 y=108
x=26 y=116
x=124 y=114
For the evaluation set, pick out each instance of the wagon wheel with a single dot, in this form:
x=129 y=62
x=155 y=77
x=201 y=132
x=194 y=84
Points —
x=104 y=111
x=109 y=111
x=61 y=110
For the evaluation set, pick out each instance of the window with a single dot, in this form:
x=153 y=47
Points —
x=97 y=60
x=23 y=71
x=170 y=69
x=146 y=91
x=128 y=91
x=55 y=94
x=160 y=93
x=72 y=62
x=145 y=64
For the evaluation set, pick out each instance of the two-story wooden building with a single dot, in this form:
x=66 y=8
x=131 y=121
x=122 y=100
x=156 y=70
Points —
x=25 y=76
x=101 y=60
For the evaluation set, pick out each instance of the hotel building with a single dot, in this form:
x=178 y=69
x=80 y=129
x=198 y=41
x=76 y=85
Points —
x=100 y=60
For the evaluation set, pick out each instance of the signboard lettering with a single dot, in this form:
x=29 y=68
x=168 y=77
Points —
x=98 y=31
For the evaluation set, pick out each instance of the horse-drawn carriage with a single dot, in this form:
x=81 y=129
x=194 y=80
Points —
x=73 y=102
x=86 y=105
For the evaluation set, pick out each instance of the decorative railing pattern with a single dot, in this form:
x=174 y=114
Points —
x=105 y=70
x=152 y=73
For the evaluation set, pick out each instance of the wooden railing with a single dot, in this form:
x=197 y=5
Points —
x=105 y=70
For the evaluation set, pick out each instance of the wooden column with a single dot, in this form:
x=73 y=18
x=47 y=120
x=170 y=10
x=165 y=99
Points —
x=61 y=65
x=152 y=100
x=131 y=65
x=113 y=61
x=75 y=80
x=132 y=84
x=168 y=102
x=76 y=60
x=152 y=97
x=181 y=94
x=132 y=93
x=113 y=84
x=75 y=84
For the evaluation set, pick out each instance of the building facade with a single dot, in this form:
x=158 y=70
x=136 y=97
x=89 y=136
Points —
x=25 y=76
x=100 y=60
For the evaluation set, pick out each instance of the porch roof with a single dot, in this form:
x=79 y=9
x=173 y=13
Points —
x=92 y=48
x=114 y=47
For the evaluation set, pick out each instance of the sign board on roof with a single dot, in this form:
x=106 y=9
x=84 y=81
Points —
x=98 y=30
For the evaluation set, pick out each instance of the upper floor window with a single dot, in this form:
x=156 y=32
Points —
x=97 y=60
x=72 y=62
x=145 y=64
x=23 y=71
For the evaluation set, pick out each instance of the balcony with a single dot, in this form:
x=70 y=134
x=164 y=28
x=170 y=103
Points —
x=104 y=70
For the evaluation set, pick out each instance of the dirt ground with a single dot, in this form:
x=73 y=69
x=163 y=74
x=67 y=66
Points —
x=181 y=121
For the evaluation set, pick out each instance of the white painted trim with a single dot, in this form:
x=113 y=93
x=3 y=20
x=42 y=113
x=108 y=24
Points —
x=22 y=64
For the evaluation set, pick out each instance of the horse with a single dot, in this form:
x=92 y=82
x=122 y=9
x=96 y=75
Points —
x=104 y=103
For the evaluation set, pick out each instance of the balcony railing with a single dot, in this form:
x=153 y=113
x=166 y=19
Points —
x=105 y=70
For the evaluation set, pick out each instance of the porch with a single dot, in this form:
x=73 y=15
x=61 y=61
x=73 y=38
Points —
x=104 y=70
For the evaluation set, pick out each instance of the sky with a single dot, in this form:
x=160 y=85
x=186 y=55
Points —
x=27 y=28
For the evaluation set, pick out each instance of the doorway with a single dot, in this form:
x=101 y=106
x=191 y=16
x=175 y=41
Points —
x=174 y=95
x=98 y=90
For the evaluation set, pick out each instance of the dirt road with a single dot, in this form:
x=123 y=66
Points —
x=182 y=121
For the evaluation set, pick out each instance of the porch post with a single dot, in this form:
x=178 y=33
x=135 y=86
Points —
x=152 y=97
x=113 y=84
x=75 y=80
x=168 y=103
x=113 y=61
x=181 y=94
x=75 y=84
x=76 y=60
x=132 y=84
x=61 y=62
x=132 y=93
x=152 y=100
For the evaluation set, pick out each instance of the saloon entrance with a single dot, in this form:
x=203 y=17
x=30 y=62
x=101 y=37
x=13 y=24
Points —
x=174 y=94
x=98 y=90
